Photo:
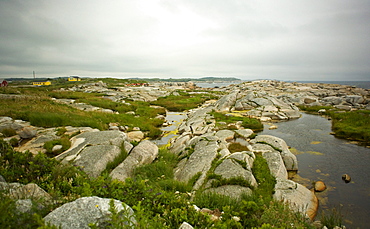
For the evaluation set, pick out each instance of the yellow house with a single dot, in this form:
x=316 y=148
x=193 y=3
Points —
x=74 y=78
x=41 y=83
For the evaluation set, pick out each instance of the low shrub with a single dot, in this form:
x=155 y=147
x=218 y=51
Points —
x=7 y=132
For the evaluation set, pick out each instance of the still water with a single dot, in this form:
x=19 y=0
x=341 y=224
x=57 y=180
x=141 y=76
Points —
x=173 y=119
x=323 y=157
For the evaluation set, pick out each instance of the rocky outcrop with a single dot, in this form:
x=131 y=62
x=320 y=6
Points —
x=299 y=197
x=278 y=144
x=89 y=210
x=144 y=153
x=92 y=151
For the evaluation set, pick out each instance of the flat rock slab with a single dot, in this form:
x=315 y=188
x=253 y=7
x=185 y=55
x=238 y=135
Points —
x=144 y=153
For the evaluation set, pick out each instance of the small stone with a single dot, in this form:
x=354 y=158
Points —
x=273 y=127
x=56 y=148
x=320 y=186
x=346 y=178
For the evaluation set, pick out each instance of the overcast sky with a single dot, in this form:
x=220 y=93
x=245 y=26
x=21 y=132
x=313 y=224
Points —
x=274 y=39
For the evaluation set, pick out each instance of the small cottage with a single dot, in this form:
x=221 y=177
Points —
x=74 y=78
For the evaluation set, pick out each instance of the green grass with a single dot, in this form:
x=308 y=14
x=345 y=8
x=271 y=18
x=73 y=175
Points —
x=249 y=123
x=182 y=102
x=237 y=147
x=353 y=125
x=157 y=199
x=42 y=111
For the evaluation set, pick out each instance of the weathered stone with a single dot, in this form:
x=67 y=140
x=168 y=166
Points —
x=274 y=160
x=94 y=159
x=81 y=141
x=23 y=206
x=27 y=132
x=225 y=103
x=87 y=210
x=225 y=135
x=290 y=160
x=144 y=153
x=233 y=191
x=230 y=168
x=135 y=135
x=199 y=162
x=299 y=197
x=20 y=191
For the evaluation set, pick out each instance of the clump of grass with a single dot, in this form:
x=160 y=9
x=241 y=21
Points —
x=331 y=218
x=8 y=132
x=237 y=147
x=353 y=125
x=249 y=123
x=182 y=102
x=64 y=142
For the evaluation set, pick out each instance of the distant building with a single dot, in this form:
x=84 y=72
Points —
x=46 y=83
x=4 y=83
x=74 y=78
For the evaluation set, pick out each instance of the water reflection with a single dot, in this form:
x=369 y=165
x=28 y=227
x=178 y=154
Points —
x=323 y=157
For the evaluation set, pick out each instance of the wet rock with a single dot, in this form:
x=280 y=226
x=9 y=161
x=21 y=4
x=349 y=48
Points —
x=346 y=178
x=320 y=186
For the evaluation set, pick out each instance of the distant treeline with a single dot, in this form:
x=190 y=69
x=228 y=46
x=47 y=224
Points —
x=203 y=79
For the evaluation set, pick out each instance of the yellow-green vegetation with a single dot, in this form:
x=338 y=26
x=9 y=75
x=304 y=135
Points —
x=36 y=106
x=183 y=101
x=353 y=125
x=249 y=123
x=157 y=199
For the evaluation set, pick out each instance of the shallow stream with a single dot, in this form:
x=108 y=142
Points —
x=323 y=157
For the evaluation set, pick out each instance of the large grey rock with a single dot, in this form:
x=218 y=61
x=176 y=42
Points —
x=87 y=210
x=94 y=159
x=20 y=191
x=273 y=159
x=199 y=162
x=290 y=160
x=92 y=151
x=144 y=153
x=225 y=135
x=354 y=99
x=225 y=103
x=299 y=197
x=245 y=133
x=332 y=100
x=230 y=168
x=27 y=132
x=86 y=139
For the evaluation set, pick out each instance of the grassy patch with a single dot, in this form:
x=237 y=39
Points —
x=64 y=142
x=353 y=125
x=237 y=147
x=183 y=101
x=42 y=111
x=249 y=123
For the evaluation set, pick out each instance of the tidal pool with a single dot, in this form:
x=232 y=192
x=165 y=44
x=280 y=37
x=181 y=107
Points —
x=323 y=157
x=174 y=119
